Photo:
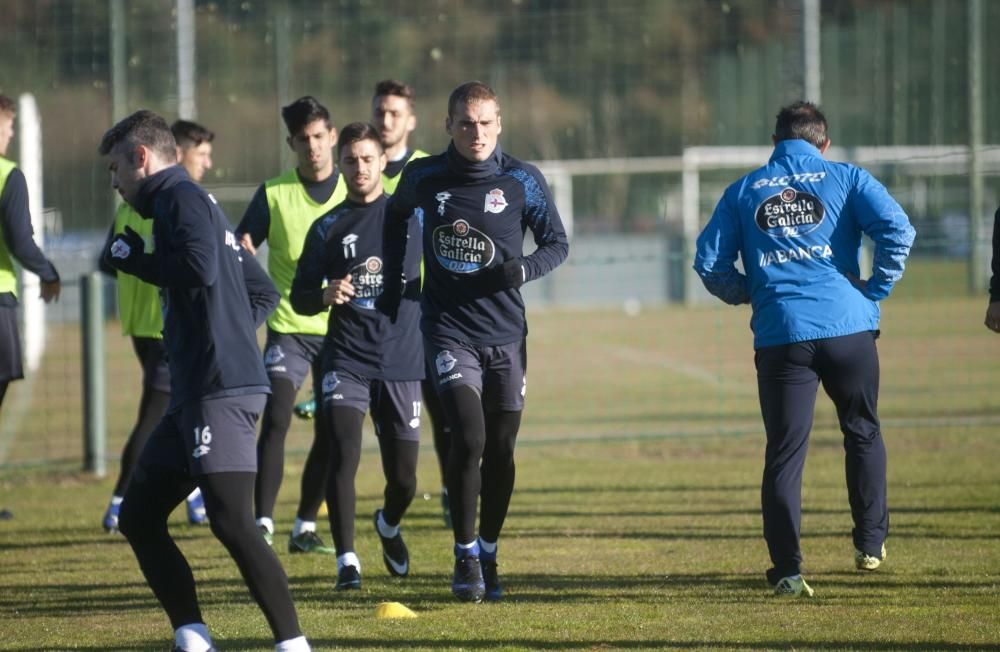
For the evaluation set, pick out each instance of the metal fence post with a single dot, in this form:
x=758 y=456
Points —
x=95 y=429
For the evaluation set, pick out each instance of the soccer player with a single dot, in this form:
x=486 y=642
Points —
x=281 y=212
x=142 y=320
x=796 y=223
x=214 y=295
x=475 y=203
x=16 y=243
x=368 y=361
x=392 y=114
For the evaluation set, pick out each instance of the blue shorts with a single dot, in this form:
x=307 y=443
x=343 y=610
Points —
x=215 y=435
x=497 y=373
x=395 y=404
x=290 y=356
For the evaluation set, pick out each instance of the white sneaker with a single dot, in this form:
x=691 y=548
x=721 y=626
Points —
x=793 y=587
x=864 y=561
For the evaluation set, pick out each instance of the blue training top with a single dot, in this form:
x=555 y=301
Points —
x=796 y=223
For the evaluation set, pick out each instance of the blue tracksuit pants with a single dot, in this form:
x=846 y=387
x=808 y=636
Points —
x=788 y=377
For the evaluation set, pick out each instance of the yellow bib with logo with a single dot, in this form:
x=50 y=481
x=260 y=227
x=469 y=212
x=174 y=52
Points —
x=292 y=211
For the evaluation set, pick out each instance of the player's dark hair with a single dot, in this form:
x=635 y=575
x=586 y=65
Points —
x=303 y=111
x=7 y=106
x=469 y=92
x=394 y=87
x=801 y=121
x=355 y=132
x=141 y=128
x=191 y=134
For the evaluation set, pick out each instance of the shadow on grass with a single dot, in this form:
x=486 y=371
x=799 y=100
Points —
x=379 y=643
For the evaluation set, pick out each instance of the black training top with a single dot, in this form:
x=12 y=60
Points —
x=360 y=339
x=474 y=217
x=214 y=293
x=15 y=220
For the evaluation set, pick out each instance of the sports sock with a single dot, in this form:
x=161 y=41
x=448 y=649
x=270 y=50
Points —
x=348 y=559
x=298 y=644
x=194 y=495
x=303 y=526
x=386 y=530
x=193 y=638
x=463 y=550
x=487 y=550
x=267 y=523
x=117 y=500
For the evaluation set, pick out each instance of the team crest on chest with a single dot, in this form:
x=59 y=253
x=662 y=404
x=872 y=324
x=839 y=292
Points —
x=441 y=198
x=495 y=201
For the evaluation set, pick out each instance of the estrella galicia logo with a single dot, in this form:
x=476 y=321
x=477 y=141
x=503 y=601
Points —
x=461 y=249
x=330 y=382
x=366 y=277
x=790 y=214
x=445 y=362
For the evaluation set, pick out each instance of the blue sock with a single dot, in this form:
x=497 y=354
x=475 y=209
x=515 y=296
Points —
x=467 y=550
x=487 y=550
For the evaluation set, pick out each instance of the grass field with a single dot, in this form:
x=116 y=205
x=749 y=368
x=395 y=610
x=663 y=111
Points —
x=635 y=522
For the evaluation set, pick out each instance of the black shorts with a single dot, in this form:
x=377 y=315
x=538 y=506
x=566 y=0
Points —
x=290 y=356
x=497 y=373
x=153 y=358
x=215 y=435
x=395 y=404
x=11 y=365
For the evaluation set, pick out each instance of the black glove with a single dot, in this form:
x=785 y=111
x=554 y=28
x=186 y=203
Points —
x=512 y=274
x=125 y=251
x=508 y=275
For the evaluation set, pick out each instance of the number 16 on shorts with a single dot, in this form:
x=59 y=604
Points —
x=202 y=439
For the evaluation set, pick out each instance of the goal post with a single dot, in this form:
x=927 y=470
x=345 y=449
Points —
x=29 y=123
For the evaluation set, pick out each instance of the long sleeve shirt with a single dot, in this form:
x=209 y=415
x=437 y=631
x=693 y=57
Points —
x=471 y=224
x=214 y=293
x=360 y=339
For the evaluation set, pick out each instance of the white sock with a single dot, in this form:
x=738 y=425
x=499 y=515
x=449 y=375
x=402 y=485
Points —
x=348 y=559
x=303 y=526
x=299 y=644
x=194 y=495
x=266 y=522
x=386 y=530
x=487 y=546
x=193 y=638
x=117 y=500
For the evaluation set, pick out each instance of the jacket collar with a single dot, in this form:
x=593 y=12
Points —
x=153 y=184
x=794 y=147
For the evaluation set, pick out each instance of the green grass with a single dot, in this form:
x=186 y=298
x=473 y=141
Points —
x=635 y=521
x=640 y=544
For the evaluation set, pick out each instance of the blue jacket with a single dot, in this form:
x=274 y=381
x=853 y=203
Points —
x=796 y=223
x=214 y=294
